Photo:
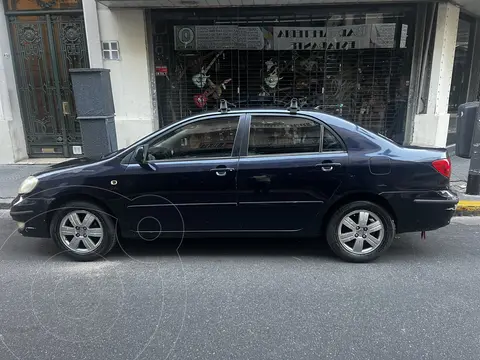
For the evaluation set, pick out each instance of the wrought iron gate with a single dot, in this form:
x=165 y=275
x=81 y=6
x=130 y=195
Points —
x=45 y=47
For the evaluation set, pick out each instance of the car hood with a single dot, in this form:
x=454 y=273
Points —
x=70 y=164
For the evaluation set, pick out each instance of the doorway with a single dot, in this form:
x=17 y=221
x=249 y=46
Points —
x=45 y=45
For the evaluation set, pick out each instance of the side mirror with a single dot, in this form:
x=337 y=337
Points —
x=141 y=155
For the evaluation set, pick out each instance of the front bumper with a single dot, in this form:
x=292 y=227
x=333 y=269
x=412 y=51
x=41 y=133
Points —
x=33 y=214
x=422 y=210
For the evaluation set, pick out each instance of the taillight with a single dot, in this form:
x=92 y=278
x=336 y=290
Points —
x=443 y=166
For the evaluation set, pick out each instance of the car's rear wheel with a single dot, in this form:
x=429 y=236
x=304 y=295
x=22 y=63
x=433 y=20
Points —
x=360 y=231
x=83 y=230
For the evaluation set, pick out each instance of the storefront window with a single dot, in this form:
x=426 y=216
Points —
x=460 y=74
x=461 y=66
x=355 y=65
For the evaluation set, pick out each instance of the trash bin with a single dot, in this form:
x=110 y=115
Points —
x=467 y=114
x=92 y=91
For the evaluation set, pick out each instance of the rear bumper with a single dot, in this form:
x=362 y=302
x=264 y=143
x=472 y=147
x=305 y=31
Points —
x=422 y=210
x=33 y=214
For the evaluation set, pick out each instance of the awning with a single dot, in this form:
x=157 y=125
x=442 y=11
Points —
x=471 y=6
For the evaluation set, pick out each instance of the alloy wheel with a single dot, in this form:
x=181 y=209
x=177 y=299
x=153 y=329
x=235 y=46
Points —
x=81 y=231
x=361 y=232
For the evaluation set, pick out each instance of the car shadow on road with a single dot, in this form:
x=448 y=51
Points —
x=224 y=247
x=405 y=247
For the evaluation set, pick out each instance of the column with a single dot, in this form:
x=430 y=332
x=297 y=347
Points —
x=431 y=127
x=12 y=137
x=92 y=31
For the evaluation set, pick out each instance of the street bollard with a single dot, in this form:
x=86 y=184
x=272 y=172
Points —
x=473 y=182
x=467 y=115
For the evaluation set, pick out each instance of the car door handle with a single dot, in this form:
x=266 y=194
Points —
x=222 y=171
x=327 y=166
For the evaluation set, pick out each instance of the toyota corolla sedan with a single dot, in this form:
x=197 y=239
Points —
x=243 y=173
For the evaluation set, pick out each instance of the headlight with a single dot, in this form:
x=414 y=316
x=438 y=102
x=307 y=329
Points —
x=28 y=185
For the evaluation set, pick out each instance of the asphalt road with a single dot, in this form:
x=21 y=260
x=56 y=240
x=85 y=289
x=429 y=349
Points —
x=242 y=299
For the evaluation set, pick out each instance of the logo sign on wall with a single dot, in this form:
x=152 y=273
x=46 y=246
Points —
x=334 y=38
x=224 y=37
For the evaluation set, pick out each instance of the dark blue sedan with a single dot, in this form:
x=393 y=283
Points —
x=252 y=172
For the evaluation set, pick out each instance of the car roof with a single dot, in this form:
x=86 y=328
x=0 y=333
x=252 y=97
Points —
x=329 y=119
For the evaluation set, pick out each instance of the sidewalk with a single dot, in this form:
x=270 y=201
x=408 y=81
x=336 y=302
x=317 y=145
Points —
x=469 y=204
x=458 y=180
x=11 y=176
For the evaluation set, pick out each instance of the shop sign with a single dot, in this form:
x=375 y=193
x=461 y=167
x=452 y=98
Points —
x=225 y=37
x=334 y=38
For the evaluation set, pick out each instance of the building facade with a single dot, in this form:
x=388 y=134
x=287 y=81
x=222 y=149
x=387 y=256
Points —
x=399 y=69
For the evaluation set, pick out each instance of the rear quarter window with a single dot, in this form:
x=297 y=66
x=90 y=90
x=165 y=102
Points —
x=331 y=142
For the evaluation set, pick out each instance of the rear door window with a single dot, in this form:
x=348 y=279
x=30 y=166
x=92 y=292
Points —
x=283 y=135
x=270 y=135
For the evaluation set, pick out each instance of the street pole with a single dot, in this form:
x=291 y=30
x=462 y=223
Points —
x=473 y=182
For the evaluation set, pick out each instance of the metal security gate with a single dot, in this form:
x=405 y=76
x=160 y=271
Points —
x=45 y=46
x=351 y=63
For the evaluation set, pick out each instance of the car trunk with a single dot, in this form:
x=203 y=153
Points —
x=433 y=167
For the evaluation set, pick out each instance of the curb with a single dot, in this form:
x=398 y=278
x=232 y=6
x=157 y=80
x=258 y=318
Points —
x=5 y=203
x=451 y=149
x=468 y=208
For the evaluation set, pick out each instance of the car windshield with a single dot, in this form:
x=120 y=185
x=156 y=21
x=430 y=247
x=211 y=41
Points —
x=112 y=154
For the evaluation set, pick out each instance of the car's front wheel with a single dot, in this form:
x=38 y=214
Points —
x=360 y=231
x=83 y=230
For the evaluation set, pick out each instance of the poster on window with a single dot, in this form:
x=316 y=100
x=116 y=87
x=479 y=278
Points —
x=219 y=37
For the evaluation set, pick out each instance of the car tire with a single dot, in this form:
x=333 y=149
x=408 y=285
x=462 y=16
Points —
x=339 y=231
x=102 y=222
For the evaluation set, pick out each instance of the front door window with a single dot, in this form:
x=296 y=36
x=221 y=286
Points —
x=211 y=138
